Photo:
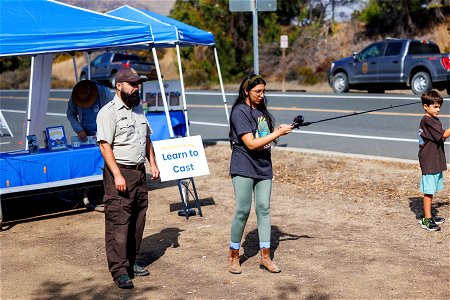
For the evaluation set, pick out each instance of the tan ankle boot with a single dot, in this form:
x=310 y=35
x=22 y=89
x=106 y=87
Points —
x=265 y=261
x=233 y=262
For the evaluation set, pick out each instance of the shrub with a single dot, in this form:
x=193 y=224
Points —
x=307 y=76
x=18 y=79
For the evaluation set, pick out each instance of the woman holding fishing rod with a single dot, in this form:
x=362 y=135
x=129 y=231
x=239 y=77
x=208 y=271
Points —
x=252 y=131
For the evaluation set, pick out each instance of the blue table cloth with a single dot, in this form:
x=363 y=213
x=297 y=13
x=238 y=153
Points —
x=21 y=168
x=159 y=126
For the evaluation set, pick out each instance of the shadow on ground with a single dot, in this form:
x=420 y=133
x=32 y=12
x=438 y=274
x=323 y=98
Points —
x=57 y=290
x=251 y=242
x=154 y=246
x=45 y=206
x=416 y=206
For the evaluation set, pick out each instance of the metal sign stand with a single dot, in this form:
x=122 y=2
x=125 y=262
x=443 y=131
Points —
x=4 y=125
x=183 y=188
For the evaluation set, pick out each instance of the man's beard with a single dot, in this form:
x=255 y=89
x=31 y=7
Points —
x=130 y=100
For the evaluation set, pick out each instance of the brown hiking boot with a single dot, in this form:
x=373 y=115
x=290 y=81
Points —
x=265 y=261
x=233 y=262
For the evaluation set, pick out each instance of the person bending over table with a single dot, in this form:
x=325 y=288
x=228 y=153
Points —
x=124 y=139
x=84 y=104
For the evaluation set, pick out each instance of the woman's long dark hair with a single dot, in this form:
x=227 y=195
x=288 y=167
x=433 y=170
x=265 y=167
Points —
x=247 y=84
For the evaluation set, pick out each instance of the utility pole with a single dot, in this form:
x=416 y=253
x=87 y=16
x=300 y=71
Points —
x=254 y=6
x=255 y=38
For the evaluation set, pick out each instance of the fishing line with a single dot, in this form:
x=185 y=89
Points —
x=299 y=121
x=27 y=161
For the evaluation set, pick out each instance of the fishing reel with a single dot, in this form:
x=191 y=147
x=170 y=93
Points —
x=299 y=121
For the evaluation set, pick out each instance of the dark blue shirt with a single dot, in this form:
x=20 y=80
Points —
x=244 y=162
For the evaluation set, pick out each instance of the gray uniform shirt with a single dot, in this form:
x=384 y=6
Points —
x=125 y=130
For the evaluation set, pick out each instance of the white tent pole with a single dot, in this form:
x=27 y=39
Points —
x=221 y=85
x=75 y=67
x=30 y=93
x=163 y=92
x=183 y=94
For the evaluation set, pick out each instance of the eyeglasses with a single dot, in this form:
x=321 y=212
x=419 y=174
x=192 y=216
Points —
x=259 y=92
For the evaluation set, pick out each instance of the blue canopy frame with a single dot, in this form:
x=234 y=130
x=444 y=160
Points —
x=186 y=35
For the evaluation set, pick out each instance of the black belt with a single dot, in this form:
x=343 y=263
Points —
x=132 y=167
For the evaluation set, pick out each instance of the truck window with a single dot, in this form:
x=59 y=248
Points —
x=98 y=59
x=371 y=51
x=122 y=57
x=393 y=49
x=423 y=48
x=105 y=58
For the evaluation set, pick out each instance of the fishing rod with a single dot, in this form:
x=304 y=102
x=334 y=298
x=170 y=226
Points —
x=299 y=121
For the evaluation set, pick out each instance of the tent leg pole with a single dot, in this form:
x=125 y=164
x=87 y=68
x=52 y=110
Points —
x=75 y=67
x=88 y=57
x=163 y=93
x=30 y=93
x=221 y=86
x=183 y=94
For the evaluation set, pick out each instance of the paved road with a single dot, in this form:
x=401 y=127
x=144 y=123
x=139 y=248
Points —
x=388 y=133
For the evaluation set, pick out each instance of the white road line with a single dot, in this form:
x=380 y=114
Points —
x=22 y=112
x=346 y=96
x=329 y=134
x=208 y=124
x=5 y=143
x=295 y=131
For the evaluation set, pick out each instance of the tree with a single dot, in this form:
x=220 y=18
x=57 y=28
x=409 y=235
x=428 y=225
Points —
x=233 y=36
x=401 y=18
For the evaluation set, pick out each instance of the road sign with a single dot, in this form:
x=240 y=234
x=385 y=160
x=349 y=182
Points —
x=283 y=41
x=249 y=5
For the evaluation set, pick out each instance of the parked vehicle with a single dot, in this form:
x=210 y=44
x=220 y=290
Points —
x=105 y=66
x=393 y=64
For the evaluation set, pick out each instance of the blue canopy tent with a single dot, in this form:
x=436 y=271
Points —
x=46 y=26
x=43 y=27
x=186 y=35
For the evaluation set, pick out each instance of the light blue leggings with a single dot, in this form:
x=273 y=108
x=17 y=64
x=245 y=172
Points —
x=243 y=189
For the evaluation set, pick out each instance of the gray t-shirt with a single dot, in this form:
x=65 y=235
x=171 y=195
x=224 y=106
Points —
x=125 y=129
x=244 y=162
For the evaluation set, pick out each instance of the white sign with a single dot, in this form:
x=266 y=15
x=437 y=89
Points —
x=283 y=41
x=181 y=158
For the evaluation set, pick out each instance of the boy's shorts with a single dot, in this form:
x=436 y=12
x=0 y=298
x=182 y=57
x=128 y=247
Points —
x=431 y=183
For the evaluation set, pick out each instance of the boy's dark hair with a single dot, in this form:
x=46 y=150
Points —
x=431 y=97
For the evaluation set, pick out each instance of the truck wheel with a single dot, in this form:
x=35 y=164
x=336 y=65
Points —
x=339 y=83
x=83 y=76
x=420 y=83
x=112 y=80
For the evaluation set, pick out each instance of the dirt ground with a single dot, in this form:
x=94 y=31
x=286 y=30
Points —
x=342 y=228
